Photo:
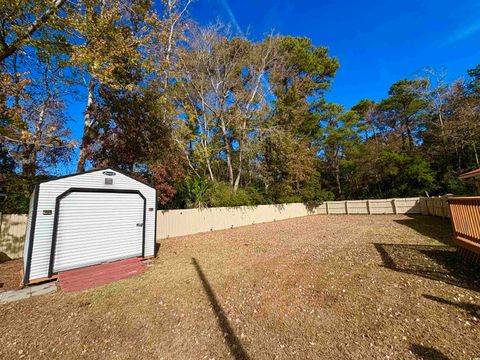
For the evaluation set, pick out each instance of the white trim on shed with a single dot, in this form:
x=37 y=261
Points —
x=88 y=218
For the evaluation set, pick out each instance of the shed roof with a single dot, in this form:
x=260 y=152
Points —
x=114 y=169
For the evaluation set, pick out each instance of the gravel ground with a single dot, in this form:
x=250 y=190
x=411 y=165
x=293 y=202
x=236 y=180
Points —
x=319 y=287
x=10 y=275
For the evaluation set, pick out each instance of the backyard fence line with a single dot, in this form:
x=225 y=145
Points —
x=172 y=223
x=12 y=235
x=435 y=206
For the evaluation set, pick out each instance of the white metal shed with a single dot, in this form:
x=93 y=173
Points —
x=89 y=218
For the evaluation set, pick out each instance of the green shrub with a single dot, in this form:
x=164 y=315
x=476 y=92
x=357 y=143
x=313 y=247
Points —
x=192 y=193
x=222 y=194
x=257 y=195
x=18 y=190
x=196 y=192
x=315 y=196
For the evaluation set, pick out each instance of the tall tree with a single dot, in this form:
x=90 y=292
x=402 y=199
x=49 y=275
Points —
x=104 y=46
x=34 y=129
x=298 y=78
x=403 y=110
x=224 y=96
x=22 y=20
x=474 y=83
x=370 y=122
x=339 y=135
x=136 y=104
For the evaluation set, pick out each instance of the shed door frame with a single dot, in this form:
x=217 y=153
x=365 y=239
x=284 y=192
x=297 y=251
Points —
x=89 y=190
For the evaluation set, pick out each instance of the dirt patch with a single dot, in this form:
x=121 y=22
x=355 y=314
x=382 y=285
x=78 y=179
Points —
x=10 y=275
x=319 y=287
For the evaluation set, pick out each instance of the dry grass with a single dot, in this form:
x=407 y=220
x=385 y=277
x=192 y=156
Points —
x=319 y=287
x=10 y=275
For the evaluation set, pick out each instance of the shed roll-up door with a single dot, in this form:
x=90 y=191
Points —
x=98 y=227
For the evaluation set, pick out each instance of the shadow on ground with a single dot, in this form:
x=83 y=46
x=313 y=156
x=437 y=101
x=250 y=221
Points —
x=472 y=309
x=427 y=353
x=233 y=342
x=433 y=227
x=434 y=262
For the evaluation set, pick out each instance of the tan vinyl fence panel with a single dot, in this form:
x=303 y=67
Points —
x=384 y=206
x=192 y=221
x=435 y=206
x=172 y=223
x=12 y=236
x=336 y=207
x=357 y=207
x=407 y=206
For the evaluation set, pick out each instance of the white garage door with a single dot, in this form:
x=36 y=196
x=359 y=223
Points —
x=98 y=227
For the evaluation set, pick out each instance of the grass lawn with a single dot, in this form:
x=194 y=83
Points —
x=319 y=287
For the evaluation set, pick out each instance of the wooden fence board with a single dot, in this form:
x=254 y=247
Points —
x=465 y=217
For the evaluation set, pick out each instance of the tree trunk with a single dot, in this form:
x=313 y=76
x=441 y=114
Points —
x=240 y=164
x=459 y=159
x=209 y=167
x=475 y=153
x=29 y=160
x=409 y=135
x=8 y=49
x=228 y=153
x=241 y=144
x=337 y=179
x=205 y=146
x=87 y=128
x=375 y=136
x=229 y=159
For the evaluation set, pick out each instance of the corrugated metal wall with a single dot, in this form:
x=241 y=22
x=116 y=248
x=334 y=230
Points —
x=86 y=218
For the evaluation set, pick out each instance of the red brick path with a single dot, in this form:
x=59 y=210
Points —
x=93 y=276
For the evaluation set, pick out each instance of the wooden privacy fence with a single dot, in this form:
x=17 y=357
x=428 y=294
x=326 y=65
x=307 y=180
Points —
x=465 y=217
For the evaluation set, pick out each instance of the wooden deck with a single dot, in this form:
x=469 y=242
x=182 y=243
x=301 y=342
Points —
x=465 y=217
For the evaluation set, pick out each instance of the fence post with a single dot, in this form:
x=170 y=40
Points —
x=421 y=203
x=346 y=207
x=444 y=207
x=368 y=207
x=394 y=206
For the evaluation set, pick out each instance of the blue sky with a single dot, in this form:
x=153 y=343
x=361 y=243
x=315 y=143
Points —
x=377 y=42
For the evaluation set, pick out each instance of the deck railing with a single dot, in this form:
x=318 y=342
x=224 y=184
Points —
x=465 y=217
